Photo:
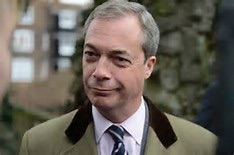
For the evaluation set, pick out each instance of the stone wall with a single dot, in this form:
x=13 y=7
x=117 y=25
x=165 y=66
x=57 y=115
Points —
x=185 y=56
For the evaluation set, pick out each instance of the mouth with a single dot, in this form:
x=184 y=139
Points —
x=101 y=91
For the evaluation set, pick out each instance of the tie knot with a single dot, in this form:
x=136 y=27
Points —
x=116 y=133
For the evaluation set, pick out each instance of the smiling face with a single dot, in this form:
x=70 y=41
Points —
x=114 y=65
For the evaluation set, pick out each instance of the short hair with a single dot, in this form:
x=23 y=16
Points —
x=114 y=9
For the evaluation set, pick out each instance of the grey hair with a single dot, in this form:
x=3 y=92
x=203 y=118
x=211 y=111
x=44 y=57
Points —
x=115 y=9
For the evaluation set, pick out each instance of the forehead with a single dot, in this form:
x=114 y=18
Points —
x=119 y=35
x=126 y=20
x=124 y=27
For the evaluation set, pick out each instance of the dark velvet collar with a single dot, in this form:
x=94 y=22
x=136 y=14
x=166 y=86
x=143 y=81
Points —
x=79 y=123
x=160 y=124
x=157 y=120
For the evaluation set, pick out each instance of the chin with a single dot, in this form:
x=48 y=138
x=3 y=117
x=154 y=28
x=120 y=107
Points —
x=97 y=101
x=101 y=102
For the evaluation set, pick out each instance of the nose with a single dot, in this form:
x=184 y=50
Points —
x=102 y=70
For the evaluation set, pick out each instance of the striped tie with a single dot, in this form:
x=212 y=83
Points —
x=117 y=133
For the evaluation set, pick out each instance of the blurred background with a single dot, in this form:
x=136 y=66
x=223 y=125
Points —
x=46 y=51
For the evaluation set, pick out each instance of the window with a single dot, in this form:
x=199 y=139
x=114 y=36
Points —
x=77 y=2
x=67 y=19
x=22 y=69
x=64 y=64
x=66 y=49
x=66 y=44
x=27 y=17
x=23 y=41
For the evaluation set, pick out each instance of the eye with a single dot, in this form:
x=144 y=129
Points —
x=89 y=53
x=121 y=61
x=90 y=56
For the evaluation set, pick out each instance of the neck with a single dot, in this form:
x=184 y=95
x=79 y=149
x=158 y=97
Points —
x=120 y=114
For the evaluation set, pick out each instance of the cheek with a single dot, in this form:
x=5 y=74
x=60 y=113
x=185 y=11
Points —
x=133 y=77
x=85 y=74
x=87 y=70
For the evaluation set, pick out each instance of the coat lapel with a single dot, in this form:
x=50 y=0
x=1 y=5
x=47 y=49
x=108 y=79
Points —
x=79 y=123
x=86 y=144
x=153 y=145
x=159 y=122
x=80 y=132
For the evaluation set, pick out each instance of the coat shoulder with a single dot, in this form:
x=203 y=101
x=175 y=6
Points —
x=182 y=125
x=55 y=124
x=192 y=136
x=47 y=135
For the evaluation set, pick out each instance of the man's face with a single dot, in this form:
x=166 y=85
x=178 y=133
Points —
x=114 y=66
x=7 y=24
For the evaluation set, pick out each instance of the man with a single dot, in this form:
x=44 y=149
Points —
x=121 y=39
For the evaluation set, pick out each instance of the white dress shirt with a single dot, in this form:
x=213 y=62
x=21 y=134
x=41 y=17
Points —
x=134 y=126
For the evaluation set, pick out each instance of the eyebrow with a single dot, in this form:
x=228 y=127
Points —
x=89 y=46
x=112 y=51
x=119 y=52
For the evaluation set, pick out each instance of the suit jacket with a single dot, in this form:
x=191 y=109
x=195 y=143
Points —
x=73 y=134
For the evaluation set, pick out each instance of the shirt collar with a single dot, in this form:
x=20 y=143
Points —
x=100 y=123
x=130 y=125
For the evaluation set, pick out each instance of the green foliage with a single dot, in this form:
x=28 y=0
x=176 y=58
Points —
x=14 y=121
x=163 y=7
x=6 y=111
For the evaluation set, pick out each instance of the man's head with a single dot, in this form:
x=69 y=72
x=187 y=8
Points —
x=150 y=32
x=8 y=16
x=118 y=56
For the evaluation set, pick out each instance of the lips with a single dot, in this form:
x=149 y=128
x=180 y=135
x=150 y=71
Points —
x=102 y=88
x=101 y=91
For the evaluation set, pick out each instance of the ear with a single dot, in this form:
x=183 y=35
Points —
x=149 y=66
